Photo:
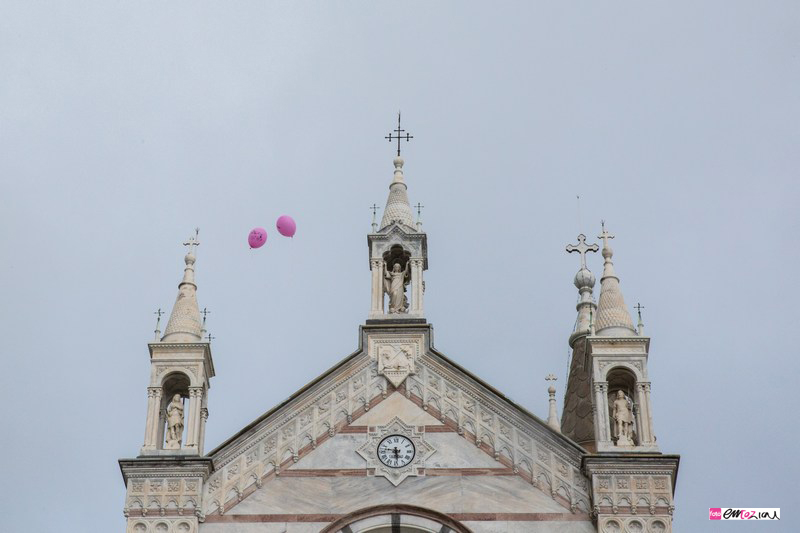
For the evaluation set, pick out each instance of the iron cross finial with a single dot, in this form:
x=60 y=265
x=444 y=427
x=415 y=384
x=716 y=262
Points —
x=374 y=208
x=582 y=248
x=605 y=235
x=639 y=308
x=399 y=135
x=209 y=338
x=205 y=312
x=192 y=242
x=419 y=207
x=551 y=377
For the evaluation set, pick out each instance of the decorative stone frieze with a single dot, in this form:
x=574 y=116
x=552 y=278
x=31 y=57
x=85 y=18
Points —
x=632 y=491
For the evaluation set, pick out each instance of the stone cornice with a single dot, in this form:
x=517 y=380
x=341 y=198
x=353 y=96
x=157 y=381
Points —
x=184 y=347
x=632 y=463
x=158 y=467
x=600 y=339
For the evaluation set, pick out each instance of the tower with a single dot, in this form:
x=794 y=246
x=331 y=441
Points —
x=165 y=481
x=607 y=405
x=398 y=255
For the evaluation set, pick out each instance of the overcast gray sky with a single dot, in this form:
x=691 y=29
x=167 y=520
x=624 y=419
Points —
x=123 y=125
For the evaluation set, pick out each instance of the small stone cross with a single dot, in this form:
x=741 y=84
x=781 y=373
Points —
x=605 y=235
x=192 y=242
x=582 y=248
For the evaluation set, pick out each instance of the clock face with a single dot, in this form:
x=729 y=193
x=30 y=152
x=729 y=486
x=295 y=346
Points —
x=396 y=451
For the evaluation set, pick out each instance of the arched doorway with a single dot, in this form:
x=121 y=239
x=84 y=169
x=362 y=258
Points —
x=396 y=519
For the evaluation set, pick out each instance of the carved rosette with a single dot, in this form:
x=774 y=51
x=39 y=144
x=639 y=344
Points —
x=369 y=451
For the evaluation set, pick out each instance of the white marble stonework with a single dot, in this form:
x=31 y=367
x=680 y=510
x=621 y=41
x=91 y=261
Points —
x=268 y=527
x=502 y=526
x=335 y=453
x=453 y=451
x=447 y=494
x=396 y=405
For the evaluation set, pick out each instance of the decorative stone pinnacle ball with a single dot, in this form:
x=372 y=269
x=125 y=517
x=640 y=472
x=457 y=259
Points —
x=551 y=390
x=607 y=252
x=189 y=259
x=584 y=278
x=398 y=162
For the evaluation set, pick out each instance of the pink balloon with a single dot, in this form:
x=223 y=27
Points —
x=257 y=238
x=286 y=226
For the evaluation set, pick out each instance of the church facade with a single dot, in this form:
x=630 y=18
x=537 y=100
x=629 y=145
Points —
x=397 y=437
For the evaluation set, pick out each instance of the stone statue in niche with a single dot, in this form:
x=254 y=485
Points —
x=623 y=420
x=174 y=423
x=394 y=285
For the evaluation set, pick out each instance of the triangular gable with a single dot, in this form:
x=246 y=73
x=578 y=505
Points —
x=352 y=395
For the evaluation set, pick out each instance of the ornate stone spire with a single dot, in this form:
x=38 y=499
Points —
x=184 y=323
x=584 y=281
x=398 y=207
x=613 y=318
x=552 y=415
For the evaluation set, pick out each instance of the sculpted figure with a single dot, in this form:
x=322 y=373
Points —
x=397 y=360
x=394 y=285
x=174 y=423
x=623 y=420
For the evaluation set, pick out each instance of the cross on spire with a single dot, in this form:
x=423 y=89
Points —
x=582 y=248
x=551 y=377
x=158 y=322
x=399 y=135
x=605 y=235
x=639 y=308
x=205 y=312
x=419 y=208
x=209 y=338
x=192 y=242
x=374 y=208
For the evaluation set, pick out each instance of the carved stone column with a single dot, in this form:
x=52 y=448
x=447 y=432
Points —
x=416 y=286
x=203 y=420
x=641 y=415
x=601 y=415
x=151 y=424
x=193 y=420
x=648 y=412
x=376 y=266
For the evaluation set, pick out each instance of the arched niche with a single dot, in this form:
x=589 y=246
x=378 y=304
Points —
x=622 y=379
x=174 y=383
x=396 y=254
